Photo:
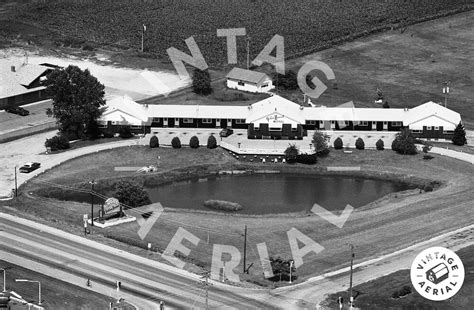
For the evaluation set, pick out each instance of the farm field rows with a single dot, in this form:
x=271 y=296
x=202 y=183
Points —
x=306 y=25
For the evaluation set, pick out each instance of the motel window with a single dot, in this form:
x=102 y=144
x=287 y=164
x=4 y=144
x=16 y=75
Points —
x=207 y=120
x=428 y=128
x=240 y=121
x=448 y=132
x=176 y=120
x=274 y=129
x=156 y=119
x=436 y=128
x=346 y=123
x=293 y=128
x=241 y=83
x=187 y=120
x=256 y=128
x=102 y=125
x=136 y=126
x=333 y=122
x=114 y=122
x=417 y=131
x=364 y=123
x=396 y=123
x=311 y=122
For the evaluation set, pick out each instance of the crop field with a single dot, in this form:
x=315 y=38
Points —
x=306 y=25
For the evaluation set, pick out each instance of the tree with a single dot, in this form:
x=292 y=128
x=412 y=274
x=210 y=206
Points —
x=58 y=142
x=125 y=132
x=360 y=145
x=404 y=142
x=78 y=101
x=379 y=145
x=176 y=143
x=320 y=141
x=338 y=144
x=287 y=81
x=202 y=82
x=194 y=142
x=154 y=141
x=131 y=193
x=291 y=153
x=459 y=136
x=211 y=142
x=281 y=269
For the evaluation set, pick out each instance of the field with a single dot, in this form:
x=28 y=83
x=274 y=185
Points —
x=306 y=25
x=411 y=216
x=377 y=294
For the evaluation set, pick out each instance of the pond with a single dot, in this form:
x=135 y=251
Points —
x=275 y=193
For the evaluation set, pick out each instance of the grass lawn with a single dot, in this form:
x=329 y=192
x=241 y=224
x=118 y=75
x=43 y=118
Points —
x=383 y=226
x=55 y=293
x=377 y=294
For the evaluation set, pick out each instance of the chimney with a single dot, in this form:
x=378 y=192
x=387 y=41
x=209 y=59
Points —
x=13 y=68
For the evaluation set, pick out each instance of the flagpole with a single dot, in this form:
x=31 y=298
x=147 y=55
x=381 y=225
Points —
x=143 y=34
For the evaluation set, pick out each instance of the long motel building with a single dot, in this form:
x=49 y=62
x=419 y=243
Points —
x=279 y=118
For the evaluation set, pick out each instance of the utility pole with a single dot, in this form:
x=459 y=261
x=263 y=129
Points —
x=205 y=276
x=351 y=299
x=446 y=93
x=245 y=249
x=248 y=52
x=16 y=185
x=143 y=34
x=92 y=183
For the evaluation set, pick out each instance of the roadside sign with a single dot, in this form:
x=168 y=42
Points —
x=85 y=217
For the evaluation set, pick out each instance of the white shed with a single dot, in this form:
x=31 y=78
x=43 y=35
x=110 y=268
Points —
x=248 y=80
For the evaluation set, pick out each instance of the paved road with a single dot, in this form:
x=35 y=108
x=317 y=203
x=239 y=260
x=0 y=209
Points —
x=140 y=277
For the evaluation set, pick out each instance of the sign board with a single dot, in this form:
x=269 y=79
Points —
x=111 y=205
x=85 y=217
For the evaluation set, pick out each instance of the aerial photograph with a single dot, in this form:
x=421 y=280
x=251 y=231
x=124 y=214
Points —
x=236 y=154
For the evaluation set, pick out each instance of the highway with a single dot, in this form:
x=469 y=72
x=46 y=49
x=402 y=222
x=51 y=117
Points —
x=141 y=278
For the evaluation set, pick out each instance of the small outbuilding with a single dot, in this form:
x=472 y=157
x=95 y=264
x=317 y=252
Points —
x=248 y=80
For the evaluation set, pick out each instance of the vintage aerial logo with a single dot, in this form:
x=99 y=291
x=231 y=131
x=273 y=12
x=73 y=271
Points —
x=437 y=273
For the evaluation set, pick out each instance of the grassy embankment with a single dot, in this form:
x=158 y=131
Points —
x=390 y=223
x=377 y=294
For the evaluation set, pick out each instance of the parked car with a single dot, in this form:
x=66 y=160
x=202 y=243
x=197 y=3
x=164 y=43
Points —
x=18 y=110
x=28 y=167
x=226 y=132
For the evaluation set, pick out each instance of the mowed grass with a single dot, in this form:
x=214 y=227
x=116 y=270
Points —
x=56 y=294
x=377 y=294
x=388 y=224
x=409 y=67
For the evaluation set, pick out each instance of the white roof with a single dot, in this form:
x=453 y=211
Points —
x=254 y=77
x=433 y=112
x=124 y=108
x=276 y=109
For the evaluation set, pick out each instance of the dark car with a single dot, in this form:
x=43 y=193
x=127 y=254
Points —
x=18 y=110
x=28 y=167
x=226 y=132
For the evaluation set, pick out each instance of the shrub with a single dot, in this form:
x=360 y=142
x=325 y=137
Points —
x=360 y=145
x=401 y=292
x=291 y=153
x=194 y=142
x=320 y=141
x=428 y=188
x=58 y=142
x=379 y=145
x=386 y=105
x=125 y=132
x=426 y=157
x=404 y=143
x=131 y=193
x=211 y=142
x=176 y=143
x=108 y=134
x=307 y=159
x=338 y=144
x=222 y=205
x=154 y=142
